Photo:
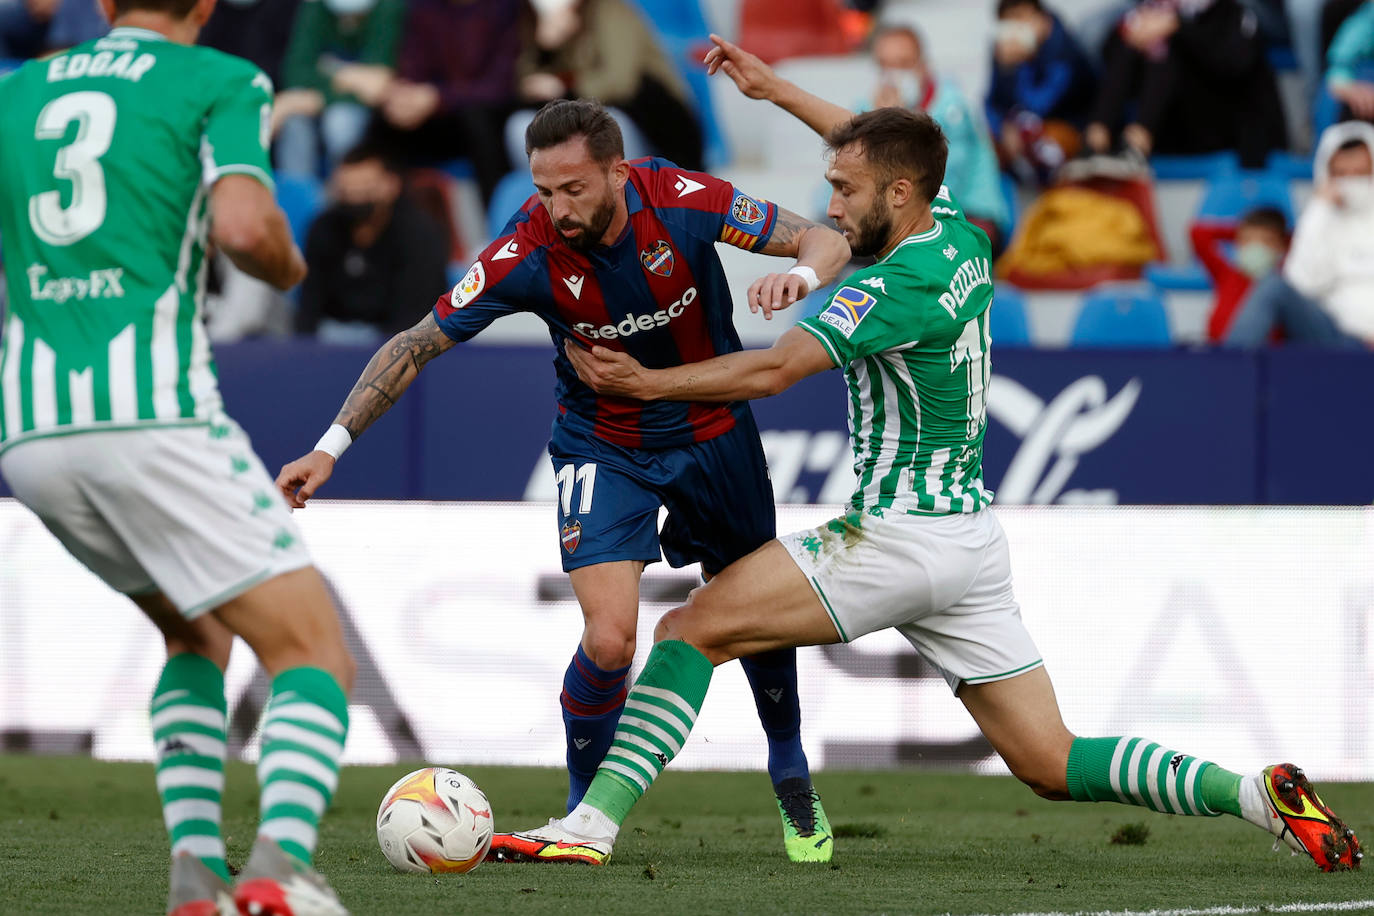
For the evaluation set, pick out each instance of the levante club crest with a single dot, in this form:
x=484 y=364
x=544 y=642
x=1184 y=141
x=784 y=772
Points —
x=572 y=535
x=658 y=259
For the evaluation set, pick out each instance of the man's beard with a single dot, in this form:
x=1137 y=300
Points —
x=592 y=230
x=873 y=230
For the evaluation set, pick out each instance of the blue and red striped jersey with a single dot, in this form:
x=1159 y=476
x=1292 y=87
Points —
x=658 y=293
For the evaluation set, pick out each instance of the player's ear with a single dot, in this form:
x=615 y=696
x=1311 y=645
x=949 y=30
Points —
x=900 y=192
x=620 y=173
x=200 y=13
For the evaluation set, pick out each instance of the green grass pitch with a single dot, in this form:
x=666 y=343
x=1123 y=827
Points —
x=79 y=836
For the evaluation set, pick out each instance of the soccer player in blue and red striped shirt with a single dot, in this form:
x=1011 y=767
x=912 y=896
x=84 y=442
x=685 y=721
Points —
x=622 y=254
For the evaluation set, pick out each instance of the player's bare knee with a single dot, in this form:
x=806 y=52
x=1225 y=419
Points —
x=1042 y=778
x=609 y=647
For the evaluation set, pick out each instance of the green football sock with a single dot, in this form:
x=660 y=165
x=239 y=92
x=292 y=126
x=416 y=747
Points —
x=660 y=711
x=1134 y=771
x=302 y=740
x=188 y=719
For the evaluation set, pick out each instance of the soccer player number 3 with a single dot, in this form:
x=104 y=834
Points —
x=583 y=477
x=77 y=162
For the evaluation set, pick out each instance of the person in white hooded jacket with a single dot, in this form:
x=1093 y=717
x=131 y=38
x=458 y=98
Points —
x=1325 y=292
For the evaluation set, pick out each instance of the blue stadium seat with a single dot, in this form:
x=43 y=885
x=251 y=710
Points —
x=1184 y=168
x=1007 y=320
x=1125 y=315
x=682 y=28
x=302 y=197
x=511 y=192
x=10 y=63
x=1230 y=194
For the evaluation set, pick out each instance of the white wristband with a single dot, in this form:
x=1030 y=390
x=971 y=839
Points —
x=334 y=441
x=808 y=276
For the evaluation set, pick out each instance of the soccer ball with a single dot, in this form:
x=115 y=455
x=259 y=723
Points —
x=434 y=820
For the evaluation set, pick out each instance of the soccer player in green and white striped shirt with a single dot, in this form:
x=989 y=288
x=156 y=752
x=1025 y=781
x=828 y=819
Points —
x=919 y=550
x=119 y=158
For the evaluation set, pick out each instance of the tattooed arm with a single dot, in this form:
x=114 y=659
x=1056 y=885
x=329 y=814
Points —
x=387 y=375
x=817 y=248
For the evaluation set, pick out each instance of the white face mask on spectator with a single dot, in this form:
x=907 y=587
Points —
x=1355 y=191
x=349 y=7
x=1016 y=32
x=906 y=82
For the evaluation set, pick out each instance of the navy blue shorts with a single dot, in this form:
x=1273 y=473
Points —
x=717 y=493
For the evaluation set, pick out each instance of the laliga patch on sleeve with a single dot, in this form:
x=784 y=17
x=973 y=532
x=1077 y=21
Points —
x=471 y=286
x=847 y=308
x=745 y=213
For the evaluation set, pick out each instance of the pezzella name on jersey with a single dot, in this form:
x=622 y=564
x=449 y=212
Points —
x=101 y=283
x=633 y=324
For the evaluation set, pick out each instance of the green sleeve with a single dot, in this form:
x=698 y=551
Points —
x=383 y=33
x=300 y=69
x=873 y=310
x=237 y=125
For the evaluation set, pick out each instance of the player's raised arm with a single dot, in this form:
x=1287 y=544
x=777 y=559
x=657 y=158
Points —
x=249 y=227
x=757 y=80
x=741 y=376
x=387 y=375
x=821 y=254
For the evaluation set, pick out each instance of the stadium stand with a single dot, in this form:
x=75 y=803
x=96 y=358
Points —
x=1126 y=315
x=1007 y=321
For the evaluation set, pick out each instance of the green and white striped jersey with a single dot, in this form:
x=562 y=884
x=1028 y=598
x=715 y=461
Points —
x=911 y=333
x=107 y=155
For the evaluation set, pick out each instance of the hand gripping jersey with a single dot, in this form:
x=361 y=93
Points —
x=658 y=293
x=107 y=155
x=911 y=333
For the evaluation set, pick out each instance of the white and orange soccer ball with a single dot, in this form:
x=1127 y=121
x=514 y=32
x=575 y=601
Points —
x=434 y=820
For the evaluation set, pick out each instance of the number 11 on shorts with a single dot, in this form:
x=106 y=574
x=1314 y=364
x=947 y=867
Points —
x=584 y=478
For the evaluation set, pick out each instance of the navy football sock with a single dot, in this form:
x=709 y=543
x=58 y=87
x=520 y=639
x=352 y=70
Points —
x=773 y=678
x=592 y=702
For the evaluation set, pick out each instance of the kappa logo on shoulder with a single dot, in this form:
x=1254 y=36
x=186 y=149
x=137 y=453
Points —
x=876 y=283
x=470 y=287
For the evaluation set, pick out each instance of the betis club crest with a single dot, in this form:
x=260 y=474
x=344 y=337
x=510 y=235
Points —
x=658 y=259
x=571 y=535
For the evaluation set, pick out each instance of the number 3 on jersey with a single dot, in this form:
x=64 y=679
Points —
x=78 y=162
x=584 y=478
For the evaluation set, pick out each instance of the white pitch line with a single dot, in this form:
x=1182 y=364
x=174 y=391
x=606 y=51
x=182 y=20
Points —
x=1348 y=906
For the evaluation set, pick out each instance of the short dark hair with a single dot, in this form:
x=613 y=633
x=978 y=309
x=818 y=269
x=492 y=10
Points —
x=368 y=151
x=1006 y=6
x=177 y=9
x=562 y=119
x=1271 y=218
x=897 y=144
x=1353 y=143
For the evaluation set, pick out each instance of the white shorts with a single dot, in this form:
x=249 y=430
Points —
x=944 y=581
x=187 y=511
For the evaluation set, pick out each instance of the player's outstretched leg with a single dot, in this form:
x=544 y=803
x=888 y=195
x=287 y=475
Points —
x=805 y=829
x=298 y=771
x=659 y=714
x=592 y=700
x=1280 y=799
x=188 y=719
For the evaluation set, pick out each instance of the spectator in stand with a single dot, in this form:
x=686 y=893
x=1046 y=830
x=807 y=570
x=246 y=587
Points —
x=1348 y=64
x=1041 y=92
x=1200 y=79
x=337 y=66
x=1325 y=294
x=256 y=30
x=1260 y=241
x=907 y=81
x=604 y=50
x=32 y=28
x=455 y=87
x=372 y=253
